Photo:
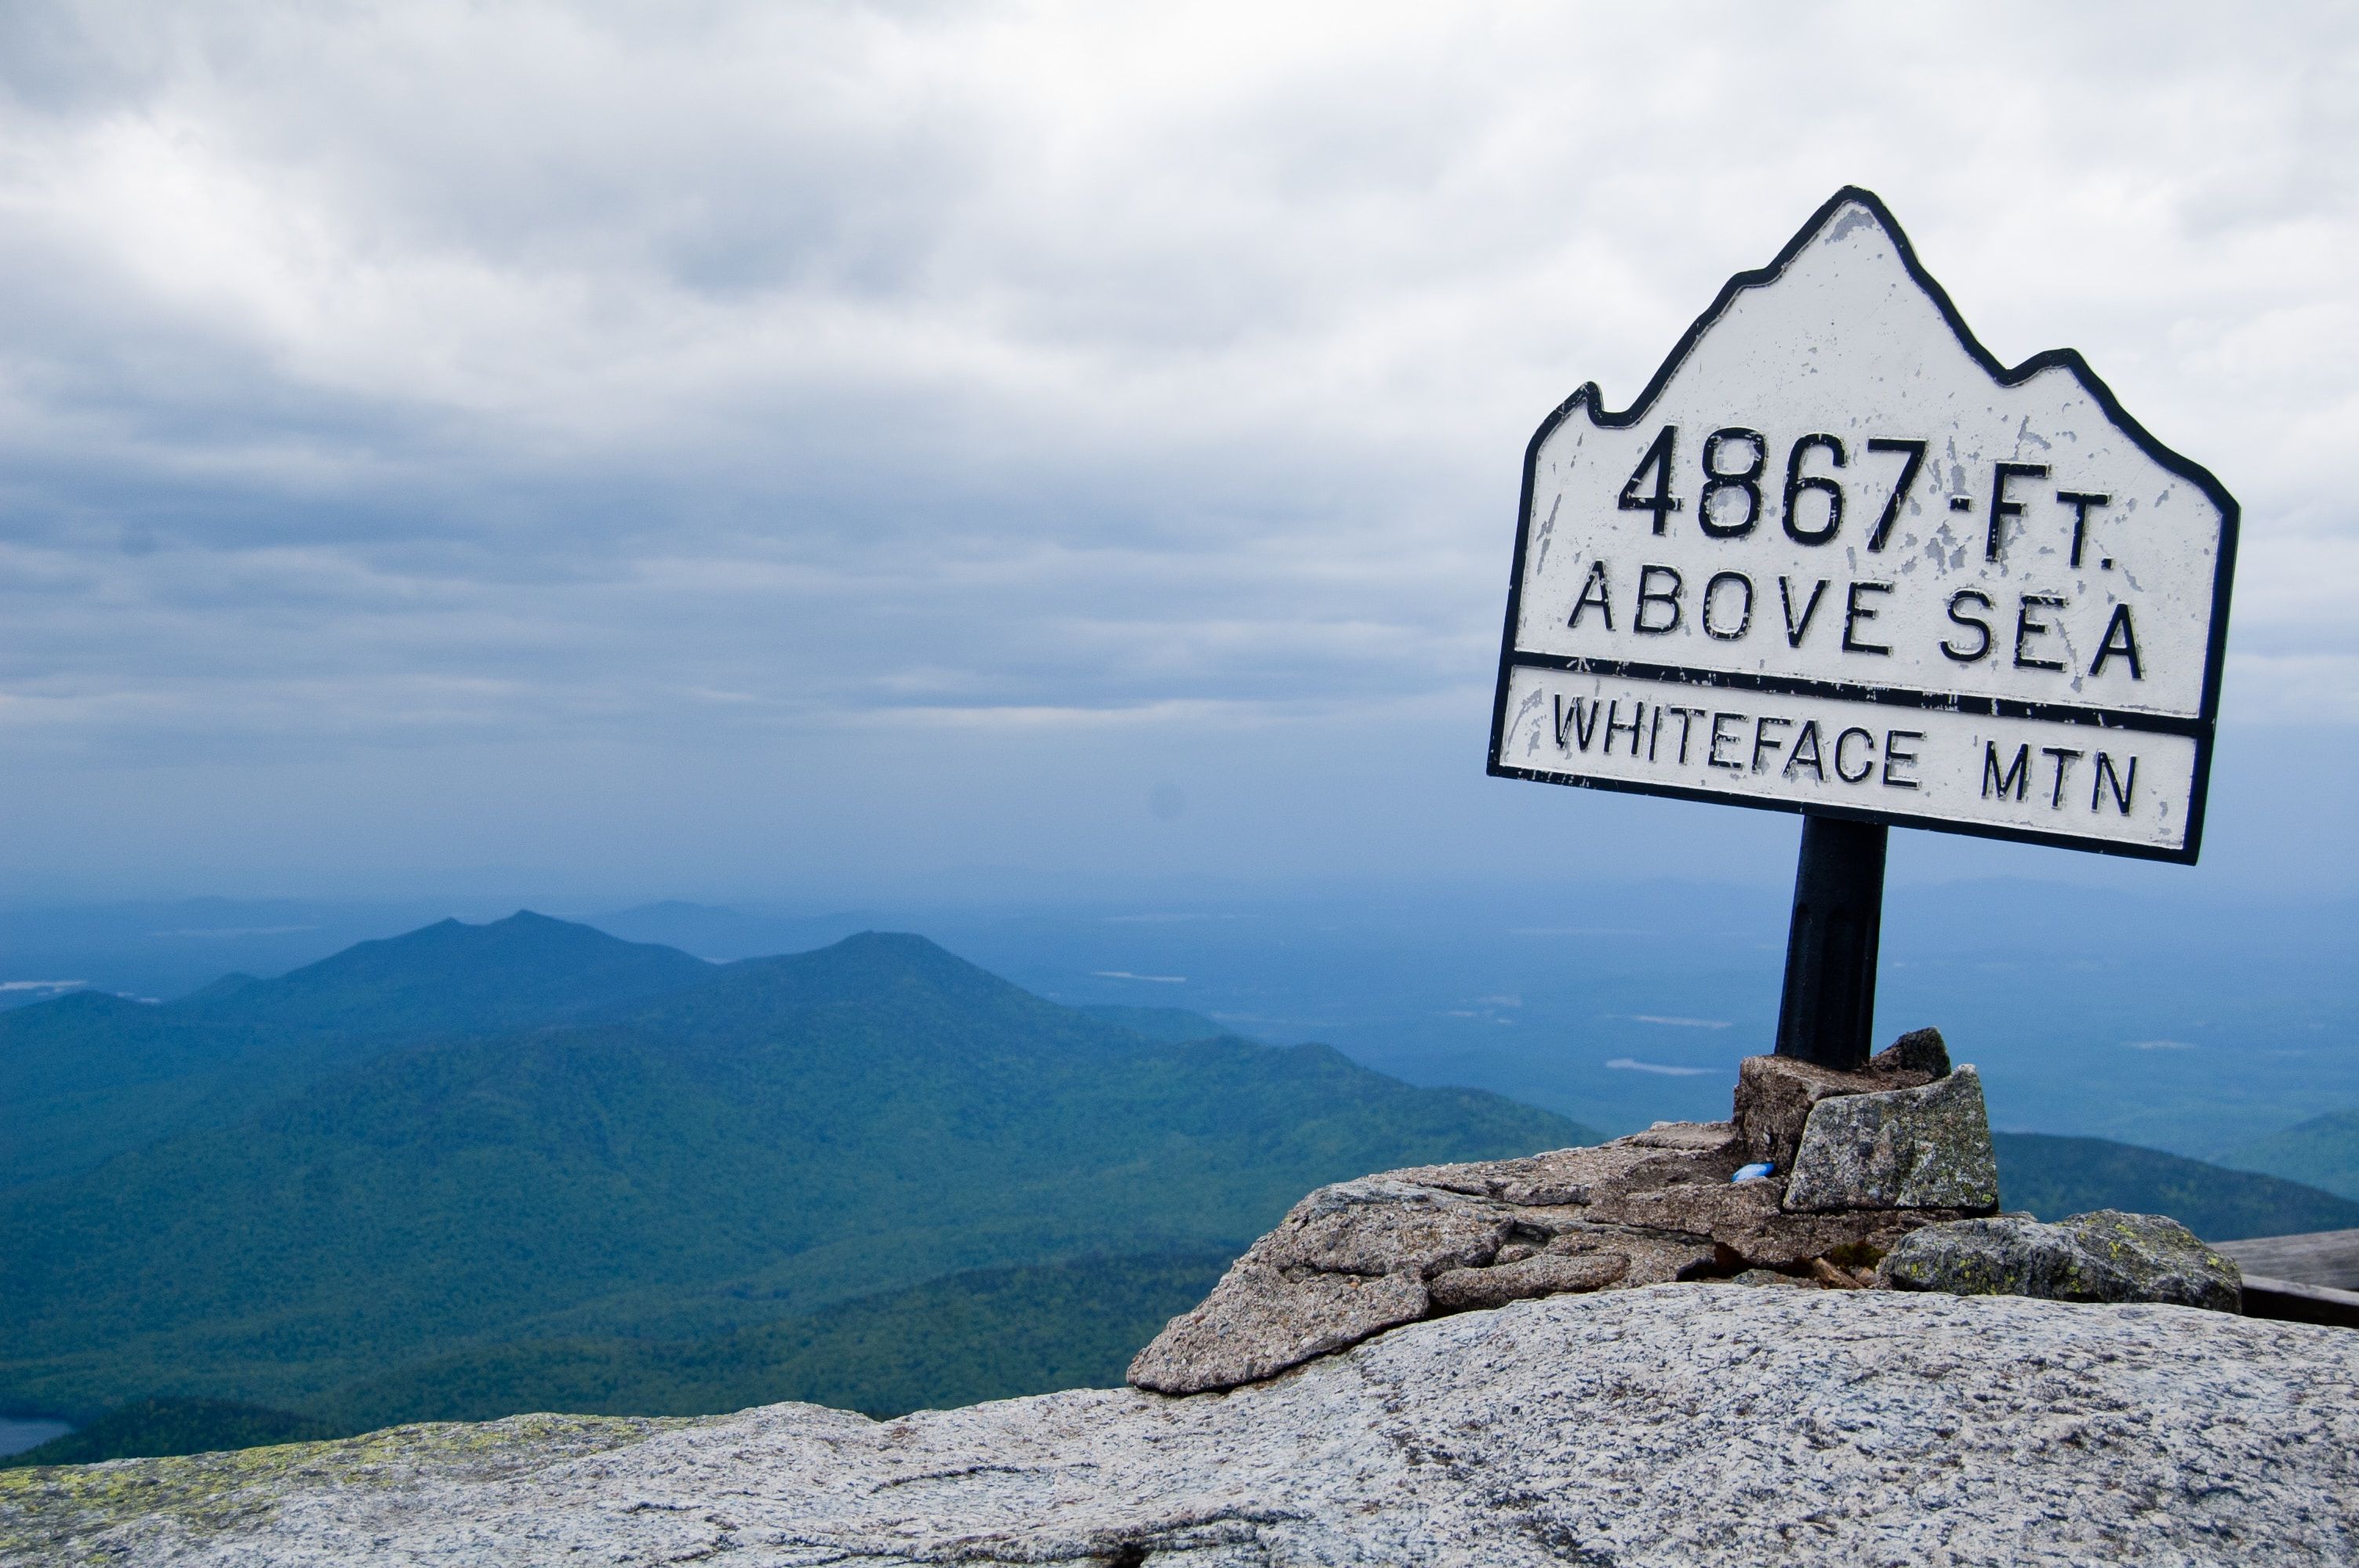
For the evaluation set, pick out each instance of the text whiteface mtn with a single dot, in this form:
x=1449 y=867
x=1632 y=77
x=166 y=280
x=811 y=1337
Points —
x=1836 y=559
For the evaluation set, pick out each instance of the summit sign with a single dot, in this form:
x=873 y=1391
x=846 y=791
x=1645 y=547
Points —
x=1837 y=559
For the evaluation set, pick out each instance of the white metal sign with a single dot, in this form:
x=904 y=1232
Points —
x=1837 y=559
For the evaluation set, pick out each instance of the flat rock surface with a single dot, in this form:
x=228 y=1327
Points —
x=1675 y=1425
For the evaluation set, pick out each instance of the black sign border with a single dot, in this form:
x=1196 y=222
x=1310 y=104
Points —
x=1591 y=399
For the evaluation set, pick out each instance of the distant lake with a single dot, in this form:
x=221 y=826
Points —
x=15 y=1436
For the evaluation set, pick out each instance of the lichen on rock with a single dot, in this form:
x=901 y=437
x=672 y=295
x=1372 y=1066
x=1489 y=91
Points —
x=47 y=1513
x=1914 y=1148
x=2105 y=1256
x=1777 y=1095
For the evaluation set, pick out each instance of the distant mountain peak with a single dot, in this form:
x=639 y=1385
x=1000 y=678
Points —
x=85 y=1002
x=907 y=944
x=229 y=985
x=872 y=963
x=522 y=969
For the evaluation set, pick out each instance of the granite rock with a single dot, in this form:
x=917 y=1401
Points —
x=1914 y=1148
x=1382 y=1225
x=1258 y=1322
x=2107 y=1256
x=1919 y=1051
x=1689 y=1424
x=1898 y=1146
x=1542 y=1274
x=1645 y=1257
x=1361 y=1257
x=1776 y=1095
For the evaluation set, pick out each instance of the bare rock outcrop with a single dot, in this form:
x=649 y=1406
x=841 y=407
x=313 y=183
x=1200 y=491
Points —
x=1858 y=1161
x=1360 y=1257
x=1695 y=1425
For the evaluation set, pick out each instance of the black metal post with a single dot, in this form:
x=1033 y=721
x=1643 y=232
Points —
x=1829 y=1007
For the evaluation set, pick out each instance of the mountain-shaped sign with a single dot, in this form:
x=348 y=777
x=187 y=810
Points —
x=1836 y=559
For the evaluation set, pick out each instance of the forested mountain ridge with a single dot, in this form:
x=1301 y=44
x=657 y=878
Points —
x=90 y=1075
x=453 y=978
x=785 y=1133
x=2322 y=1152
x=2052 y=1177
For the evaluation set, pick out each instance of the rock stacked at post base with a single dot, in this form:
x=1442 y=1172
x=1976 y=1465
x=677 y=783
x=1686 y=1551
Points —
x=1860 y=1161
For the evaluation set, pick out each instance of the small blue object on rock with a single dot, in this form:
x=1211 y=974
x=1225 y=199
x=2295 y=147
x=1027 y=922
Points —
x=1756 y=1171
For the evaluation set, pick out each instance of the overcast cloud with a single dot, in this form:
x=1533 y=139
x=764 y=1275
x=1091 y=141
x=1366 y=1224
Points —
x=744 y=442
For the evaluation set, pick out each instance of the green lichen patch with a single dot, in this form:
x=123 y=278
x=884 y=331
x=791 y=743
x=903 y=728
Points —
x=2105 y=1256
x=68 y=1513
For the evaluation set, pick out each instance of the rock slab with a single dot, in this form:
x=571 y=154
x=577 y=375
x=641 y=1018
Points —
x=2107 y=1256
x=1361 y=1257
x=1914 y=1148
x=1684 y=1424
x=1777 y=1095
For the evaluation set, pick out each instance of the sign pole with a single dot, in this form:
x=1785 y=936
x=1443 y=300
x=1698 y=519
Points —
x=1829 y=1007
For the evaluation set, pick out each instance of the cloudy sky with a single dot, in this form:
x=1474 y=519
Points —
x=718 y=449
